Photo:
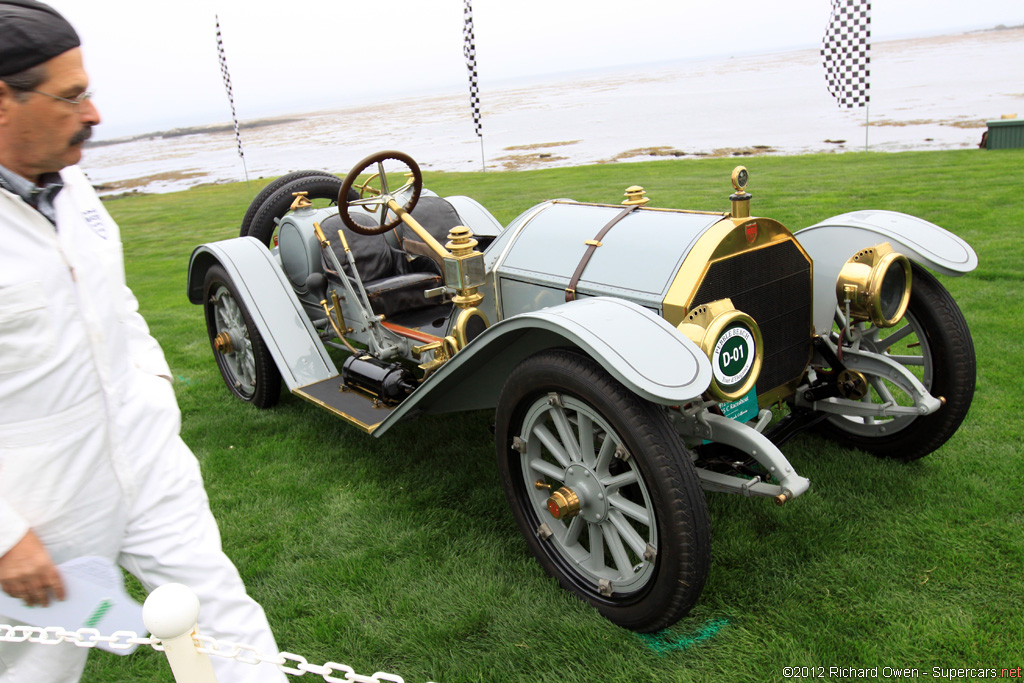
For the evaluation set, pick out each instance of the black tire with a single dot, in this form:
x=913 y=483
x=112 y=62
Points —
x=270 y=189
x=243 y=358
x=948 y=370
x=264 y=225
x=645 y=592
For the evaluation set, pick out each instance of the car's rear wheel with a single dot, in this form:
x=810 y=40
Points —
x=603 y=490
x=242 y=356
x=934 y=342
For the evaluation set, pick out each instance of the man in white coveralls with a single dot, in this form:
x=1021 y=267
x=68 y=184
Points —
x=90 y=458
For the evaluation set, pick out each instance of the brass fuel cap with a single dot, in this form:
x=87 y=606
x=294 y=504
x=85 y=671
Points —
x=564 y=503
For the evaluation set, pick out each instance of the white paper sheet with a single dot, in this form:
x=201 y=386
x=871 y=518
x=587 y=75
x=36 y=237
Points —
x=94 y=598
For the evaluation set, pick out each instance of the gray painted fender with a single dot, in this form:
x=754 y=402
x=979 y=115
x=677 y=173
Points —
x=475 y=216
x=639 y=348
x=833 y=241
x=276 y=312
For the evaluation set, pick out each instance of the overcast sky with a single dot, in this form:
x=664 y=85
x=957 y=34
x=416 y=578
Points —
x=154 y=65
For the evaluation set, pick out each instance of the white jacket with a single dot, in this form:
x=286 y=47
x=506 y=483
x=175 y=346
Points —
x=90 y=457
x=83 y=407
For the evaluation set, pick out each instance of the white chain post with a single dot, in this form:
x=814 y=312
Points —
x=170 y=613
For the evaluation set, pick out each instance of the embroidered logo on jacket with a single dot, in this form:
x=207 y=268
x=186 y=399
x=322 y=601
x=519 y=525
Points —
x=95 y=221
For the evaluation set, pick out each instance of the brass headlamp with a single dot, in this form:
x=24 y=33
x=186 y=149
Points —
x=876 y=283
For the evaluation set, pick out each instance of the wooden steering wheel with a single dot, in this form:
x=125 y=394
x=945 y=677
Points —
x=375 y=194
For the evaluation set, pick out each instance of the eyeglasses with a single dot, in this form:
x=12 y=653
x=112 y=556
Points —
x=73 y=101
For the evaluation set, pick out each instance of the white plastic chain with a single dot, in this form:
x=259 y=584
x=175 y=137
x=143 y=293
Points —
x=245 y=654
x=83 y=637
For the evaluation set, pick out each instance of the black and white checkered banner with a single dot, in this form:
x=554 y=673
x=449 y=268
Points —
x=227 y=86
x=469 y=50
x=845 y=52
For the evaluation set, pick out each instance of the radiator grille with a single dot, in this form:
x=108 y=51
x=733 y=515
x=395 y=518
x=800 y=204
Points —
x=773 y=286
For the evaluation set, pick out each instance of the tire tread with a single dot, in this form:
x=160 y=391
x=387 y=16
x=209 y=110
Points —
x=270 y=189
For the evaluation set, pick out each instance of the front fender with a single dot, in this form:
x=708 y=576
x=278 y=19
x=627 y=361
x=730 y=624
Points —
x=833 y=241
x=275 y=310
x=639 y=348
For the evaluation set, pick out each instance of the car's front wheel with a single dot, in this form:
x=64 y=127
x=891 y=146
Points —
x=934 y=342
x=603 y=490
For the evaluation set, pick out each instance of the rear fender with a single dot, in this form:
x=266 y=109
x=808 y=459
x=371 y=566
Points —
x=833 y=241
x=475 y=216
x=275 y=310
x=638 y=347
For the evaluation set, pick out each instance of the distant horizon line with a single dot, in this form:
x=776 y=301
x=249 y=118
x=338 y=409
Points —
x=266 y=118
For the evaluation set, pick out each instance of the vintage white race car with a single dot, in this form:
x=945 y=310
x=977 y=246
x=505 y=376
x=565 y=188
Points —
x=632 y=353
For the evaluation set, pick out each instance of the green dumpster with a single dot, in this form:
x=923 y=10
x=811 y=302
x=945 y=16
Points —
x=1005 y=133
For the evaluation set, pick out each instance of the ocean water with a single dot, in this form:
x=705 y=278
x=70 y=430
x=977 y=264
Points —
x=926 y=93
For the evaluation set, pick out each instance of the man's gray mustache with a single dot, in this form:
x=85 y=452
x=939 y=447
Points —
x=81 y=136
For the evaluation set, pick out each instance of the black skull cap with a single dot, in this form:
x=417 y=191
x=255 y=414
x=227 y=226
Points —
x=32 y=33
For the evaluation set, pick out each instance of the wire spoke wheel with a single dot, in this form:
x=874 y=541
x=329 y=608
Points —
x=572 y=446
x=934 y=343
x=906 y=344
x=603 y=490
x=242 y=356
x=238 y=363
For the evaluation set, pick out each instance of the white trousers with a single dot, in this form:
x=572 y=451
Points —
x=170 y=536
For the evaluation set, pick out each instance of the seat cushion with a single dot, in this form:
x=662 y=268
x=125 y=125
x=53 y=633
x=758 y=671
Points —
x=437 y=215
x=390 y=289
x=374 y=258
x=401 y=293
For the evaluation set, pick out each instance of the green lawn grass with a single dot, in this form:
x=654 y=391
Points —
x=399 y=554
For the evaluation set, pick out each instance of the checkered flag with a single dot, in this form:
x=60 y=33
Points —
x=469 y=50
x=845 y=52
x=227 y=86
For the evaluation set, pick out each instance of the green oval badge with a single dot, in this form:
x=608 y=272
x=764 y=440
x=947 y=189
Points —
x=734 y=356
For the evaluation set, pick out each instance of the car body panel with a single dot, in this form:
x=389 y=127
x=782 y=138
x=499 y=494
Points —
x=649 y=356
x=548 y=247
x=635 y=345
